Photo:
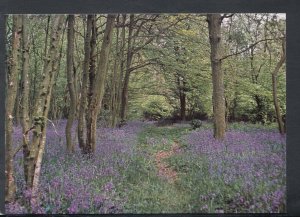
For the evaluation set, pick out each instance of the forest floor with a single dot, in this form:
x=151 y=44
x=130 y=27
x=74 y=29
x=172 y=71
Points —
x=143 y=168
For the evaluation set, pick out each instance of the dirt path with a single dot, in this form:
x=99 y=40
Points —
x=163 y=168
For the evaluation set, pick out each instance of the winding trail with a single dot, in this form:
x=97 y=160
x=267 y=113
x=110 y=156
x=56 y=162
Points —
x=164 y=169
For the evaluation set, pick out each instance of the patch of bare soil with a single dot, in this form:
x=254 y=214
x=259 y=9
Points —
x=164 y=169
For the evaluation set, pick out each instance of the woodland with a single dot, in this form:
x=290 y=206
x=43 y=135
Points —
x=145 y=113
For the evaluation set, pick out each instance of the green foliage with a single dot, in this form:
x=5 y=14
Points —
x=156 y=108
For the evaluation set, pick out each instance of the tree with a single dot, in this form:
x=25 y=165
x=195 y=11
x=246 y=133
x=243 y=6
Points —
x=98 y=86
x=130 y=54
x=71 y=83
x=115 y=81
x=84 y=86
x=214 y=27
x=33 y=158
x=12 y=86
x=25 y=118
x=274 y=86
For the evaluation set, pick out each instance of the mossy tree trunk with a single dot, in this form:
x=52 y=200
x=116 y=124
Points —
x=25 y=118
x=12 y=85
x=33 y=159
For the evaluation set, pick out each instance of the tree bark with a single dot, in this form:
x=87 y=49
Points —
x=214 y=27
x=84 y=88
x=274 y=86
x=130 y=53
x=71 y=85
x=122 y=61
x=92 y=76
x=36 y=147
x=12 y=85
x=25 y=119
x=182 y=98
x=98 y=85
x=114 y=82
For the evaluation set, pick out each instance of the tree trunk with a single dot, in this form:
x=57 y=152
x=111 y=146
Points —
x=25 y=119
x=98 y=85
x=122 y=60
x=182 y=98
x=12 y=85
x=17 y=104
x=214 y=27
x=124 y=101
x=33 y=160
x=274 y=85
x=114 y=82
x=84 y=88
x=71 y=85
x=92 y=76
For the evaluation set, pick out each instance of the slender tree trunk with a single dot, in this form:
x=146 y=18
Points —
x=274 y=85
x=33 y=76
x=124 y=101
x=182 y=106
x=12 y=85
x=183 y=102
x=71 y=83
x=92 y=75
x=182 y=98
x=54 y=108
x=114 y=82
x=17 y=104
x=120 y=82
x=214 y=27
x=25 y=118
x=99 y=83
x=84 y=87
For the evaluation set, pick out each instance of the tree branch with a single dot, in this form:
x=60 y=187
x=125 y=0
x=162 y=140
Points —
x=142 y=65
x=226 y=16
x=248 y=48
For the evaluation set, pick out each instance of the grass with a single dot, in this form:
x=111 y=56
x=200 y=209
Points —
x=147 y=192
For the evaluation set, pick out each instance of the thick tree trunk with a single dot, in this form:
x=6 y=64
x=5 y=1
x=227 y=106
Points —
x=124 y=101
x=214 y=27
x=33 y=160
x=12 y=85
x=84 y=87
x=98 y=85
x=274 y=85
x=71 y=85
